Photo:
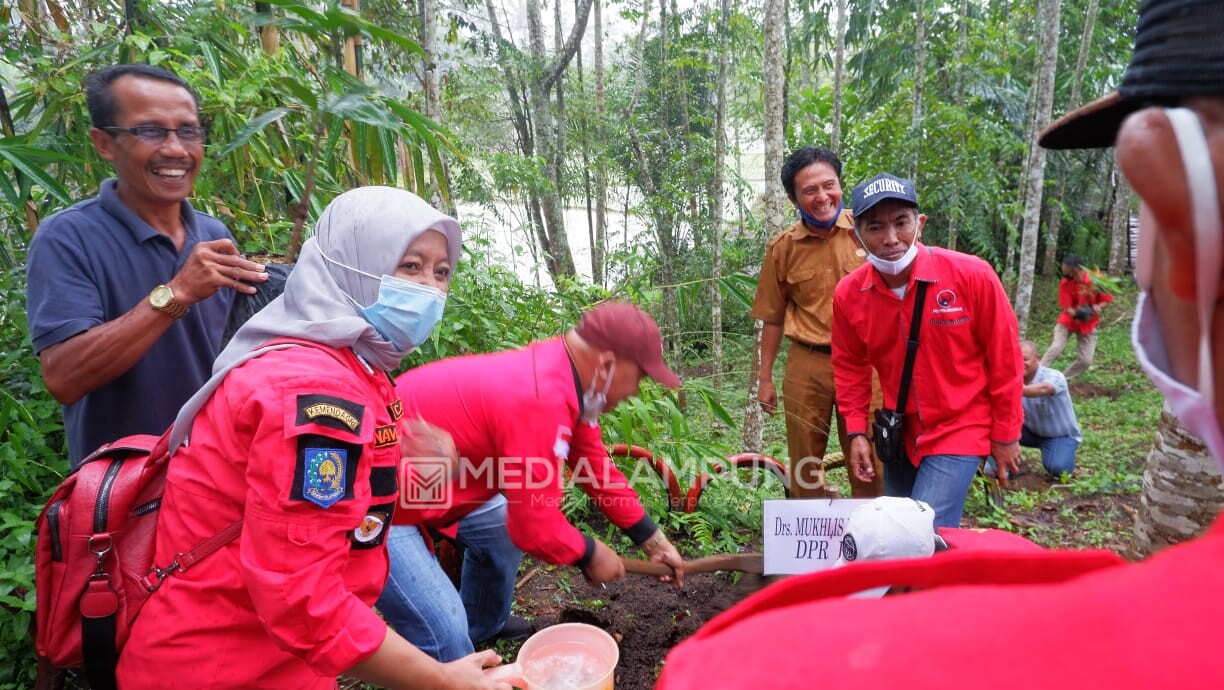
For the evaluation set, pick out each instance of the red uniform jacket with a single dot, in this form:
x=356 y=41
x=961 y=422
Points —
x=1002 y=620
x=967 y=380
x=287 y=444
x=514 y=418
x=1073 y=294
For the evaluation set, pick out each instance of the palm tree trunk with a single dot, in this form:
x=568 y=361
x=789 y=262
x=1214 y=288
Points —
x=1182 y=489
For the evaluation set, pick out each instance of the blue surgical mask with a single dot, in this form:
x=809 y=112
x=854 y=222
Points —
x=405 y=312
x=810 y=220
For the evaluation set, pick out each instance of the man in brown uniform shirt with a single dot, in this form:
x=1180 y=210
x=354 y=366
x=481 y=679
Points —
x=795 y=298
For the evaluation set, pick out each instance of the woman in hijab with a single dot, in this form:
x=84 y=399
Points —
x=293 y=447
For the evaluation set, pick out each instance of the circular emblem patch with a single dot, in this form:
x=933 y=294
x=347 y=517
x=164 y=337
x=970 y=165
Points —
x=369 y=529
x=945 y=298
x=849 y=550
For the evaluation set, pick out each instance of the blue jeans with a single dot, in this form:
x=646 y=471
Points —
x=420 y=603
x=1057 y=452
x=943 y=481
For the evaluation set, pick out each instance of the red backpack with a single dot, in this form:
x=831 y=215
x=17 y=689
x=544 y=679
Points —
x=94 y=561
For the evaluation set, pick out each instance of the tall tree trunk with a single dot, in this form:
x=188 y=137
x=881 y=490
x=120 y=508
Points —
x=1035 y=174
x=775 y=197
x=561 y=149
x=1077 y=80
x=432 y=84
x=919 y=80
x=839 y=73
x=1182 y=488
x=716 y=191
x=561 y=260
x=352 y=45
x=962 y=40
x=601 y=164
x=519 y=117
x=680 y=91
x=1053 y=228
x=1119 y=224
x=584 y=128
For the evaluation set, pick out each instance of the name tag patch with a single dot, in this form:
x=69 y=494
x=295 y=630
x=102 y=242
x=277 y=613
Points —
x=385 y=436
x=330 y=411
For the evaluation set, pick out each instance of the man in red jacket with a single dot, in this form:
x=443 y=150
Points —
x=519 y=419
x=1092 y=620
x=1081 y=304
x=964 y=395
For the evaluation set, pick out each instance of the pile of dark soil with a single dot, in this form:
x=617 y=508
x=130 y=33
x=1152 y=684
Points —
x=646 y=616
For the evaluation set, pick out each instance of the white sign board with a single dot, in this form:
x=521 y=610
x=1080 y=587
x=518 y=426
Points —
x=803 y=535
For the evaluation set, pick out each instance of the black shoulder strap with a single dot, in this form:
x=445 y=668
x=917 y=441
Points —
x=911 y=346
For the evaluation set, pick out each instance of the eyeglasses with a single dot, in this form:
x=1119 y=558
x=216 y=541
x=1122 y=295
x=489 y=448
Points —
x=153 y=134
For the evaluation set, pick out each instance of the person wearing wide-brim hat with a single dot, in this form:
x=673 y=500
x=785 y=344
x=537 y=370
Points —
x=1054 y=619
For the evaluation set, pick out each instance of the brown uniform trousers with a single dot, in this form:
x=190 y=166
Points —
x=808 y=396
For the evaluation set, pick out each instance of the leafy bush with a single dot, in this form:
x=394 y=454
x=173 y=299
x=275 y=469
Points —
x=33 y=460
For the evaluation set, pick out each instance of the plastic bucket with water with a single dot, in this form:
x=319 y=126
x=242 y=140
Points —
x=569 y=656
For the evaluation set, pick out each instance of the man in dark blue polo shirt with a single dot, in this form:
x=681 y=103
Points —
x=129 y=291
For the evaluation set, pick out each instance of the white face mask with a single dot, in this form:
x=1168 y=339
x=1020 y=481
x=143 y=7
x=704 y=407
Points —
x=892 y=268
x=593 y=402
x=1194 y=407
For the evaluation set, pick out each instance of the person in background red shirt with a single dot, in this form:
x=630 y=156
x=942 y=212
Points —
x=1081 y=304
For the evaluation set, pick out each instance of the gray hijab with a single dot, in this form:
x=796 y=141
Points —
x=369 y=229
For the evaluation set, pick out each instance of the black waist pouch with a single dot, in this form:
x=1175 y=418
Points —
x=888 y=437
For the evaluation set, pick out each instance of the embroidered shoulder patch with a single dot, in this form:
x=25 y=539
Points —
x=385 y=436
x=330 y=411
x=373 y=528
x=325 y=475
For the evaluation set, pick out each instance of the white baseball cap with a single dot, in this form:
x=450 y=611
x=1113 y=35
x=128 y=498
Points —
x=889 y=527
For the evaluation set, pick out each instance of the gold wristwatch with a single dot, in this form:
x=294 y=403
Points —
x=162 y=299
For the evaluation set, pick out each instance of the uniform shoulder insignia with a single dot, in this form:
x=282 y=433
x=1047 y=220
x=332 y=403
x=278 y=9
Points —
x=325 y=475
x=330 y=411
x=373 y=528
x=325 y=471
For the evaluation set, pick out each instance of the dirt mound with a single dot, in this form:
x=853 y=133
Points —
x=647 y=617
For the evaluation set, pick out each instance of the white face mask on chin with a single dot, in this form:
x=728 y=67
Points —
x=1194 y=407
x=593 y=402
x=892 y=268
